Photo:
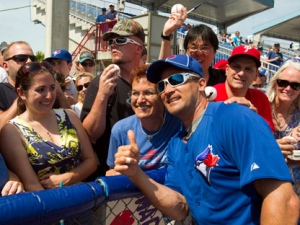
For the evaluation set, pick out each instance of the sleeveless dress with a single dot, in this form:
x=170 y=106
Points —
x=45 y=156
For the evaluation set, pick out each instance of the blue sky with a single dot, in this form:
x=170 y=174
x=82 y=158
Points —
x=16 y=24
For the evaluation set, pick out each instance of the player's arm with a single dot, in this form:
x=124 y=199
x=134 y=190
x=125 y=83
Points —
x=280 y=203
x=168 y=201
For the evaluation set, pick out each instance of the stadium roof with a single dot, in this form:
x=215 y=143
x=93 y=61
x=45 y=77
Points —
x=221 y=13
x=286 y=27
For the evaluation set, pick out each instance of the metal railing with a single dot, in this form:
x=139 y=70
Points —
x=108 y=201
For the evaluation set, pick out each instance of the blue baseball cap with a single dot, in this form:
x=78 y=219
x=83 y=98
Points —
x=184 y=62
x=61 y=54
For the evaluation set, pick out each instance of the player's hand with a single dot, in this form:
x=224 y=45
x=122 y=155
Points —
x=241 y=101
x=127 y=157
x=108 y=80
x=175 y=21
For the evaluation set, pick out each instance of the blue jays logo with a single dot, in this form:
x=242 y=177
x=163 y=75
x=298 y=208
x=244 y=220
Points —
x=205 y=161
x=56 y=52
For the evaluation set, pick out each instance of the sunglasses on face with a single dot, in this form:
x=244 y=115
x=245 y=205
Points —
x=21 y=58
x=32 y=68
x=121 y=41
x=174 y=80
x=285 y=83
x=85 y=64
x=80 y=87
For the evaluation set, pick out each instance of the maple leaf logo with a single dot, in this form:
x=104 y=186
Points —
x=205 y=161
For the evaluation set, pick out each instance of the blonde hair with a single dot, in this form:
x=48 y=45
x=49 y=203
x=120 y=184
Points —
x=81 y=75
x=271 y=89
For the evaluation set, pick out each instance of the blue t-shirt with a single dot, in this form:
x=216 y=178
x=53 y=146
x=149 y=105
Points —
x=215 y=169
x=152 y=152
x=236 y=41
x=101 y=18
x=3 y=173
x=272 y=55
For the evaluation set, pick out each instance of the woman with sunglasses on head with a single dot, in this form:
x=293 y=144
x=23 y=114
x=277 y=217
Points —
x=82 y=82
x=45 y=147
x=152 y=124
x=283 y=92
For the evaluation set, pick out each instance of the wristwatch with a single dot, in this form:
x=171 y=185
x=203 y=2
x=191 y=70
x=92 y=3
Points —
x=168 y=37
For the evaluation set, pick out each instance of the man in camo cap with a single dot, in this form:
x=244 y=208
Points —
x=105 y=101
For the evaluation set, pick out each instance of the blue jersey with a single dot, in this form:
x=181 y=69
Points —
x=152 y=152
x=215 y=169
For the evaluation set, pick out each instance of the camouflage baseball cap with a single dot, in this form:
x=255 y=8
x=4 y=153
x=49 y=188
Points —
x=126 y=27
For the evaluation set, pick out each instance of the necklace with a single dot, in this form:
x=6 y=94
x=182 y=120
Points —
x=44 y=129
x=282 y=122
x=150 y=136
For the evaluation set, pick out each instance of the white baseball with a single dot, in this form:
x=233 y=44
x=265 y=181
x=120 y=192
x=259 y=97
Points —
x=118 y=72
x=177 y=8
x=211 y=93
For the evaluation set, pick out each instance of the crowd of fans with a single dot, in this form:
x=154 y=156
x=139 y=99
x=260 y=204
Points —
x=232 y=155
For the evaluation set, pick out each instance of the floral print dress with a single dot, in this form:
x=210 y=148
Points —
x=45 y=156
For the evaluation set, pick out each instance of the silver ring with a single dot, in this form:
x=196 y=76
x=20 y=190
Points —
x=128 y=160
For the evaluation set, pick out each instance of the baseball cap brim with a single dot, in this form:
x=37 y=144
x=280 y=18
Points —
x=83 y=59
x=156 y=68
x=257 y=62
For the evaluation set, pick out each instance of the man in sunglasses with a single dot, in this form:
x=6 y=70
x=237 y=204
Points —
x=226 y=168
x=86 y=62
x=241 y=71
x=106 y=97
x=14 y=56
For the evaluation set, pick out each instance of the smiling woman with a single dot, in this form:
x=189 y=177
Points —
x=152 y=125
x=46 y=146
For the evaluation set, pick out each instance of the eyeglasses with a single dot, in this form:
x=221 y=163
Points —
x=285 y=83
x=21 y=58
x=147 y=94
x=80 y=87
x=174 y=80
x=85 y=64
x=201 y=49
x=32 y=68
x=121 y=41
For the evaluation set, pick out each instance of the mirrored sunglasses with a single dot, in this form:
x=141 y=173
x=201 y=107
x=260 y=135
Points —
x=122 y=41
x=174 y=80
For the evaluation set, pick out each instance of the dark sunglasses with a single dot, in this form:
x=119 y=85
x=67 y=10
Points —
x=122 y=41
x=285 y=83
x=80 y=87
x=21 y=58
x=174 y=80
x=85 y=64
x=32 y=68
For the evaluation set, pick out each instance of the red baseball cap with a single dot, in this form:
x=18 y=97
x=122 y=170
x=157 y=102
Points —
x=246 y=51
x=221 y=64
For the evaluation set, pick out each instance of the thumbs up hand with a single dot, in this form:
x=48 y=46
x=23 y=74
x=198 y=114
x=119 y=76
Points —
x=127 y=157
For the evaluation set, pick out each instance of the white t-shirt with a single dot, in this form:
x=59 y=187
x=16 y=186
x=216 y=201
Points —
x=3 y=76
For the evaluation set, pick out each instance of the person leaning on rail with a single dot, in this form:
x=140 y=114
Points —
x=45 y=147
x=226 y=163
